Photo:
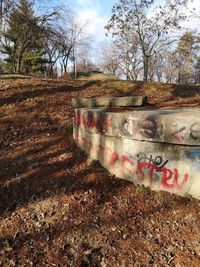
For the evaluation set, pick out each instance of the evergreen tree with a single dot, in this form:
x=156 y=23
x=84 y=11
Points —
x=23 y=35
x=35 y=63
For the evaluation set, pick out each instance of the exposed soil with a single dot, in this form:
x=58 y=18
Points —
x=57 y=208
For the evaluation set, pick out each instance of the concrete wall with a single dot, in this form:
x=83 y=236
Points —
x=160 y=149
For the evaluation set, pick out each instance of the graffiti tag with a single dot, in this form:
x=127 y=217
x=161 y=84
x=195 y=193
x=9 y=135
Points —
x=143 y=169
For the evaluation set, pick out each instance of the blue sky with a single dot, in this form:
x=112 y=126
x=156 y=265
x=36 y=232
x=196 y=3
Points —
x=96 y=14
x=104 y=6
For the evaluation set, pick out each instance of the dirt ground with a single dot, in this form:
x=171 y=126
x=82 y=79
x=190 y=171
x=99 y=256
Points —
x=57 y=208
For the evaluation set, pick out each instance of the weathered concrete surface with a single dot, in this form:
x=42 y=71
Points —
x=174 y=168
x=129 y=101
x=175 y=126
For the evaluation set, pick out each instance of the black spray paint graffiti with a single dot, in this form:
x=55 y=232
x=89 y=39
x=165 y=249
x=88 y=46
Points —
x=158 y=161
x=151 y=128
x=153 y=161
x=128 y=127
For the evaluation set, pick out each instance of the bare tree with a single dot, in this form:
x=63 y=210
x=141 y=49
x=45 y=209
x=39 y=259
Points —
x=188 y=49
x=121 y=58
x=151 y=29
x=5 y=7
x=109 y=59
x=84 y=55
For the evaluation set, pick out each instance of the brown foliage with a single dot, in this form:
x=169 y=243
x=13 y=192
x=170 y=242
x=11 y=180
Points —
x=57 y=208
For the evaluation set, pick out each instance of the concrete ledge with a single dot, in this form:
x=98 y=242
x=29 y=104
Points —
x=132 y=101
x=175 y=126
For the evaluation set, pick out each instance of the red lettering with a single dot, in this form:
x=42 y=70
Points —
x=167 y=175
x=139 y=172
x=111 y=156
x=91 y=120
x=114 y=157
x=178 y=186
x=179 y=137
x=126 y=170
x=169 y=179
x=83 y=120
x=77 y=119
x=153 y=167
x=99 y=123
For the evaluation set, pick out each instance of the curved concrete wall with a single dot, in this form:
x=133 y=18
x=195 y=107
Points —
x=156 y=148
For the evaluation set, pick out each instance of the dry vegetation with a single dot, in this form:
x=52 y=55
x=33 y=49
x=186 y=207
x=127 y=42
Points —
x=59 y=209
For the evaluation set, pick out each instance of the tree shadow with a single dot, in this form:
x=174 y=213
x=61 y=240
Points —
x=40 y=92
x=19 y=97
x=57 y=167
x=131 y=219
x=38 y=170
x=184 y=90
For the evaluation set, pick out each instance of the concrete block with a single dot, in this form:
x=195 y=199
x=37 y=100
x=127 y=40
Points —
x=129 y=101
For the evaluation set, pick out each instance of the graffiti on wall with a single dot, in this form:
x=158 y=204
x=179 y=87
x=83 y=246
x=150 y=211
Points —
x=178 y=131
x=92 y=121
x=149 y=127
x=158 y=160
x=143 y=170
x=128 y=127
x=152 y=128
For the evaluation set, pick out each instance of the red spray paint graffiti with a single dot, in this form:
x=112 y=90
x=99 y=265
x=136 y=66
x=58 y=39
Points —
x=142 y=170
x=92 y=121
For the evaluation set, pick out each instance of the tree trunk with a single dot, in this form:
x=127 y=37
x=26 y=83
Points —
x=18 y=67
x=65 y=63
x=146 y=67
x=65 y=68
x=188 y=71
x=61 y=69
x=51 y=71
x=14 y=66
x=74 y=68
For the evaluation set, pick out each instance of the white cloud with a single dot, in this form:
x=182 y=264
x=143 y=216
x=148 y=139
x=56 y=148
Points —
x=88 y=3
x=89 y=13
x=192 y=22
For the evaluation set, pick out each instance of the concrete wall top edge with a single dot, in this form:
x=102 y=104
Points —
x=175 y=126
